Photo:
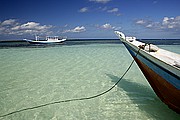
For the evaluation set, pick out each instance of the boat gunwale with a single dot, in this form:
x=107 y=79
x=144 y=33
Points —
x=154 y=59
x=164 y=68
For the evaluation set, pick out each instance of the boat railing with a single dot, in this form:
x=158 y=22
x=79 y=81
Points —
x=52 y=38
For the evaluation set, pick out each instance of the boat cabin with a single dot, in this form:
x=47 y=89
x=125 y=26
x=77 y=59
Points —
x=52 y=38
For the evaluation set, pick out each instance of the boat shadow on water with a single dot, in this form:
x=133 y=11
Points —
x=144 y=98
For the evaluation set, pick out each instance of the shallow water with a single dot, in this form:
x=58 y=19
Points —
x=34 y=76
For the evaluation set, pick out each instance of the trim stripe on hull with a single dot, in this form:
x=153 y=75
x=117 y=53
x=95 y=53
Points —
x=164 y=90
x=44 y=42
x=167 y=90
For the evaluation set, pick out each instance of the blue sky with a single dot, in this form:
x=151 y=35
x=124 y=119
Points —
x=89 y=18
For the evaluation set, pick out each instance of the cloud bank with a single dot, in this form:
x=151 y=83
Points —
x=13 y=27
x=167 y=24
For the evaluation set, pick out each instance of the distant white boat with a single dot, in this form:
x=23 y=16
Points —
x=48 y=40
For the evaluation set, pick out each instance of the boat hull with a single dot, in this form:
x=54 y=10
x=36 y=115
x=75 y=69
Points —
x=32 y=42
x=157 y=77
x=44 y=42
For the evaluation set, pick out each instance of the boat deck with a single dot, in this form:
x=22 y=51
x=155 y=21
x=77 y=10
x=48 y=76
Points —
x=161 y=54
x=169 y=57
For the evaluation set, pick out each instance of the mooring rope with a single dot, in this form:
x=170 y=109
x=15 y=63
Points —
x=74 y=99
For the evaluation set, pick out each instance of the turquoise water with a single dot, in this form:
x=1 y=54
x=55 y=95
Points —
x=34 y=76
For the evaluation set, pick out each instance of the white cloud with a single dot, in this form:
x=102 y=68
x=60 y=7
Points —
x=171 y=23
x=100 y=1
x=8 y=22
x=107 y=26
x=155 y=2
x=149 y=25
x=79 y=29
x=84 y=9
x=13 y=27
x=76 y=30
x=31 y=26
x=140 y=22
x=113 y=10
x=167 y=24
x=103 y=9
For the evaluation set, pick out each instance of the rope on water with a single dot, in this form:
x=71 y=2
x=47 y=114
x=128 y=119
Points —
x=75 y=99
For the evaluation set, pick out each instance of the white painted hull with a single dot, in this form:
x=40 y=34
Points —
x=44 y=42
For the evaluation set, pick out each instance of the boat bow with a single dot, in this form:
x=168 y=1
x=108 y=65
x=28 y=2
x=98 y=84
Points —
x=159 y=66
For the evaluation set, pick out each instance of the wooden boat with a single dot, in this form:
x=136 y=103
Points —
x=160 y=67
x=48 y=40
